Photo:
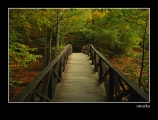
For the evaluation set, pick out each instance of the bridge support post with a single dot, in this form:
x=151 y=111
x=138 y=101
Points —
x=111 y=87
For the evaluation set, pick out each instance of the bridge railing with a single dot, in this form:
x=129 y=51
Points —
x=119 y=88
x=42 y=88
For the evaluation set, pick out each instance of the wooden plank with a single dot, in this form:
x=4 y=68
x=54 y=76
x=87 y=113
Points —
x=111 y=87
x=103 y=66
x=90 y=52
x=40 y=94
x=39 y=84
x=50 y=86
x=32 y=98
x=45 y=83
x=120 y=96
x=79 y=82
x=56 y=67
x=106 y=84
x=100 y=72
x=27 y=99
x=116 y=84
x=123 y=87
x=95 y=62
x=93 y=57
x=56 y=74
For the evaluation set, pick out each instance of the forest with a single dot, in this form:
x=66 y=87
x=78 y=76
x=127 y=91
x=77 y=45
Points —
x=38 y=35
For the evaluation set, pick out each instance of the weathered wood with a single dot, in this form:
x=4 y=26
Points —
x=80 y=77
x=100 y=71
x=103 y=66
x=116 y=84
x=136 y=90
x=123 y=87
x=45 y=83
x=28 y=89
x=32 y=97
x=111 y=87
x=27 y=99
x=56 y=66
x=40 y=94
x=96 y=63
x=79 y=82
x=50 y=86
x=60 y=72
x=56 y=75
x=121 y=95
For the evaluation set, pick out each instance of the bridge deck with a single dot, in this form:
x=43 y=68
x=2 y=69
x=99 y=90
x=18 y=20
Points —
x=79 y=81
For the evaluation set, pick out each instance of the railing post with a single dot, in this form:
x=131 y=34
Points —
x=95 y=62
x=92 y=57
x=50 y=85
x=111 y=87
x=100 y=71
x=90 y=52
x=116 y=85
x=114 y=79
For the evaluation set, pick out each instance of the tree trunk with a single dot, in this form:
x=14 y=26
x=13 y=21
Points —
x=143 y=52
x=46 y=51
x=142 y=63
x=50 y=45
x=57 y=32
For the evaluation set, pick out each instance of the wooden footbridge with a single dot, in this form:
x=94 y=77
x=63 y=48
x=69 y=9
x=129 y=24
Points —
x=81 y=77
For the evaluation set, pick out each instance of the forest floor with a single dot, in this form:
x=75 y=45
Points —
x=27 y=75
x=24 y=76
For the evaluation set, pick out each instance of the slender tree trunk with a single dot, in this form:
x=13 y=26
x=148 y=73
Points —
x=45 y=51
x=142 y=63
x=57 y=32
x=50 y=45
x=143 y=52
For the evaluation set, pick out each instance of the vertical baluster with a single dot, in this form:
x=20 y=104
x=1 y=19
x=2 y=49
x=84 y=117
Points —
x=116 y=85
x=90 y=53
x=45 y=86
x=92 y=57
x=65 y=57
x=32 y=99
x=88 y=50
x=100 y=71
x=62 y=63
x=52 y=85
x=28 y=98
x=95 y=62
x=85 y=49
x=71 y=49
x=56 y=68
x=111 y=87
x=134 y=97
x=104 y=79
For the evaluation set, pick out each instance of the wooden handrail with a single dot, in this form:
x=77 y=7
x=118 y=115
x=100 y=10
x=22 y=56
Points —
x=118 y=86
x=42 y=88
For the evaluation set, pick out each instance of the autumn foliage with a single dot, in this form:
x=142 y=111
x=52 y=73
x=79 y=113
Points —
x=114 y=32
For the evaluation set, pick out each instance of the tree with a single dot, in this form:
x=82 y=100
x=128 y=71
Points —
x=19 y=53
